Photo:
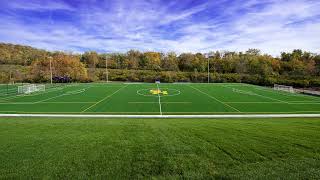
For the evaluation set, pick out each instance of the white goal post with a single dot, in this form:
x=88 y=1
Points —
x=30 y=88
x=283 y=88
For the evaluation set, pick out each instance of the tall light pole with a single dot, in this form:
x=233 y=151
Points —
x=208 y=70
x=50 y=58
x=10 y=77
x=107 y=75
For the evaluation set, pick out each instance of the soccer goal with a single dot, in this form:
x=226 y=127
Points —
x=30 y=88
x=283 y=88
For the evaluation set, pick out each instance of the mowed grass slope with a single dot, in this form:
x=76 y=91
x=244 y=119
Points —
x=122 y=98
x=159 y=148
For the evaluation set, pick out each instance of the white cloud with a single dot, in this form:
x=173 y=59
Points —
x=273 y=26
x=39 y=5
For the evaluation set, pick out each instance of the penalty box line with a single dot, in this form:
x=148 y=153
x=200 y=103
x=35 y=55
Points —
x=104 y=99
x=216 y=99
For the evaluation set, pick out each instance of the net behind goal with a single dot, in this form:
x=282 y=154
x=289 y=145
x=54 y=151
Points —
x=283 y=88
x=30 y=88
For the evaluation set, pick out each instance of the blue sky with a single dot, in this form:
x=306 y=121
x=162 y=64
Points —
x=162 y=25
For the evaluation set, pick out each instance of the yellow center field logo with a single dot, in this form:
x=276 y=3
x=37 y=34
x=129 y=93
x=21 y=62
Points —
x=158 y=91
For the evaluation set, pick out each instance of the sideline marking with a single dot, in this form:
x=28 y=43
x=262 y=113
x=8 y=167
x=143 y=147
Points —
x=159 y=100
x=258 y=102
x=168 y=113
x=166 y=116
x=104 y=99
x=26 y=103
x=252 y=102
x=216 y=99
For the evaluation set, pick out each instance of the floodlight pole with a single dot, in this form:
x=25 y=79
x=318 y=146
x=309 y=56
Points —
x=107 y=75
x=208 y=71
x=10 y=77
x=50 y=69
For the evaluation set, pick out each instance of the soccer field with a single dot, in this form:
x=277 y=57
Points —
x=157 y=99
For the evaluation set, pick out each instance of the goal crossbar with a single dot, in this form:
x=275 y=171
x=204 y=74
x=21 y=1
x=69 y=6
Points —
x=279 y=87
x=30 y=88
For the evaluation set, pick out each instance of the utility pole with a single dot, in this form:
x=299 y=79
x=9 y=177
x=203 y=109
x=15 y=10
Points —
x=50 y=69
x=107 y=75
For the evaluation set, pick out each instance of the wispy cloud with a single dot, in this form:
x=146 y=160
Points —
x=39 y=5
x=183 y=26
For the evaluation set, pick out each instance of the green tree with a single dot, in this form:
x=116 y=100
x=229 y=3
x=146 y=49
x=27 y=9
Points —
x=170 y=62
x=91 y=59
x=133 y=57
x=186 y=62
x=152 y=60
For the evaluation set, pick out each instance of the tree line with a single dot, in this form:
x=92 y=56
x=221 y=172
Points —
x=299 y=68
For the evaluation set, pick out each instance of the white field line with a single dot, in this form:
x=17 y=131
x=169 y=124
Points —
x=158 y=102
x=294 y=103
x=216 y=99
x=279 y=101
x=286 y=94
x=35 y=94
x=64 y=94
x=48 y=99
x=160 y=108
x=257 y=102
x=155 y=113
x=304 y=101
x=255 y=94
x=143 y=102
x=271 y=98
x=132 y=83
x=229 y=116
x=104 y=99
x=23 y=95
x=8 y=98
x=4 y=91
x=3 y=101
x=75 y=102
x=43 y=101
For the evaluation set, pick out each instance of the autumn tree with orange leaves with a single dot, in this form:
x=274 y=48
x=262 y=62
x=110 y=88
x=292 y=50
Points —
x=62 y=65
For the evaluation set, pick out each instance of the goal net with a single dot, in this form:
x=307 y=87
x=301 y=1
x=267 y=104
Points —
x=283 y=88
x=30 y=88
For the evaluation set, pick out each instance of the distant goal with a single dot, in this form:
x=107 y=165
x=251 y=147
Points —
x=283 y=88
x=30 y=88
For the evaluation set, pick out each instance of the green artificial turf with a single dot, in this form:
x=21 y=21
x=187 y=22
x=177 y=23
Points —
x=44 y=148
x=122 y=98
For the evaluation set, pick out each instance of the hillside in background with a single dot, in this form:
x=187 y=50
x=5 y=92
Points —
x=27 y=64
